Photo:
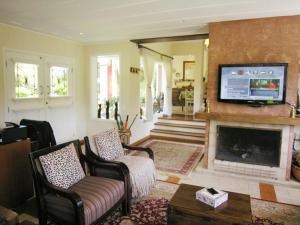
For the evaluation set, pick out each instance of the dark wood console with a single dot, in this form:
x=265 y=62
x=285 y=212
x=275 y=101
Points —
x=15 y=174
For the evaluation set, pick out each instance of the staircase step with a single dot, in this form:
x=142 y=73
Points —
x=179 y=133
x=182 y=122
x=178 y=128
x=178 y=139
x=201 y=127
x=181 y=118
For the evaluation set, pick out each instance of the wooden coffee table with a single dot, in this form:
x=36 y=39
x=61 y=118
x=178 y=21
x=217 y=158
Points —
x=185 y=209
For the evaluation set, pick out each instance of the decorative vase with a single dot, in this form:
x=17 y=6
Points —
x=296 y=172
x=125 y=136
x=107 y=109
x=99 y=111
x=116 y=110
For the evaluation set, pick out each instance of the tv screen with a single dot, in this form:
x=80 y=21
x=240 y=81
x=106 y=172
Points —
x=252 y=83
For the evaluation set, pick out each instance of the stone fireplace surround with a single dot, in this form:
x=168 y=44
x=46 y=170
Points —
x=280 y=173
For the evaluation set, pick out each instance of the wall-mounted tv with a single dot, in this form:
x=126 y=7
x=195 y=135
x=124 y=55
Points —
x=258 y=84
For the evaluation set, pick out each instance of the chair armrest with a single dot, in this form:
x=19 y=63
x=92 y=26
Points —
x=145 y=149
x=98 y=164
x=64 y=193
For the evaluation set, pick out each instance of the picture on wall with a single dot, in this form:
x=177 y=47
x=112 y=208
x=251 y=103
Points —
x=188 y=70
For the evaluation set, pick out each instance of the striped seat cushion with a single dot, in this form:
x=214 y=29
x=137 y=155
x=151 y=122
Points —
x=98 y=195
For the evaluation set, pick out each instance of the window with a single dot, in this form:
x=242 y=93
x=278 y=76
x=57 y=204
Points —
x=34 y=78
x=26 y=80
x=107 y=85
x=59 y=78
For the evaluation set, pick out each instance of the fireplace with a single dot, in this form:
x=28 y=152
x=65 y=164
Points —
x=248 y=145
x=259 y=150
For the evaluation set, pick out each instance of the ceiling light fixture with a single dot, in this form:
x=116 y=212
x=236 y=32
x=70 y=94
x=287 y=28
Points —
x=81 y=33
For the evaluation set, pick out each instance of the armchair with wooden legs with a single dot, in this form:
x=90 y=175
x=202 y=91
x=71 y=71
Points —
x=89 y=200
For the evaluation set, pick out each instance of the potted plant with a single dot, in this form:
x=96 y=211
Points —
x=296 y=165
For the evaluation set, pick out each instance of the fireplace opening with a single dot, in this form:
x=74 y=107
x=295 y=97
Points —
x=248 y=145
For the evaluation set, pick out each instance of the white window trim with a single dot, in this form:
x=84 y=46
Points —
x=43 y=60
x=93 y=83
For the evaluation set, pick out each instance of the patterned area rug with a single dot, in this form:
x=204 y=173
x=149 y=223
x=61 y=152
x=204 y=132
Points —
x=152 y=210
x=174 y=158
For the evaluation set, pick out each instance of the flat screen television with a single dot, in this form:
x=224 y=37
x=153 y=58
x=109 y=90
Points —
x=257 y=84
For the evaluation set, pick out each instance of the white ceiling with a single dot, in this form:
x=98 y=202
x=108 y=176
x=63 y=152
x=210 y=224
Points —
x=102 y=20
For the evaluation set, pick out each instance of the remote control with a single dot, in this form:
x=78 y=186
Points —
x=212 y=191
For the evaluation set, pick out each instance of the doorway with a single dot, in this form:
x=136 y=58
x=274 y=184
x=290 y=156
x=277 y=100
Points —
x=188 y=74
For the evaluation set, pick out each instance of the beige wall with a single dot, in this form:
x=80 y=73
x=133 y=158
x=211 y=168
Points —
x=129 y=87
x=20 y=39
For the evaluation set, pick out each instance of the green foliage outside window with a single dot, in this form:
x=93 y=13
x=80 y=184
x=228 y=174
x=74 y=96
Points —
x=26 y=77
x=59 y=81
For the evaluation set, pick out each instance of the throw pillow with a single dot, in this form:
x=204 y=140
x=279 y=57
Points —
x=109 y=145
x=62 y=167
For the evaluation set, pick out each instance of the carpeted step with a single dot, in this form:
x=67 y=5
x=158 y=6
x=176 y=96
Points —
x=190 y=128
x=178 y=134
x=178 y=139
x=201 y=127
x=180 y=118
x=182 y=122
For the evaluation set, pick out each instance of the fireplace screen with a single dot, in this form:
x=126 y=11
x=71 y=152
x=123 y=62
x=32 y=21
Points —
x=247 y=145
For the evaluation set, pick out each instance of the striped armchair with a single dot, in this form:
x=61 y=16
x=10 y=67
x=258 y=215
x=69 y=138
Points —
x=87 y=201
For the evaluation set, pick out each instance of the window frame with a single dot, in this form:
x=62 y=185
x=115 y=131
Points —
x=12 y=79
x=68 y=65
x=13 y=103
x=95 y=74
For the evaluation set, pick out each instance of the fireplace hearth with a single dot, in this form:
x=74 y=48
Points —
x=248 y=145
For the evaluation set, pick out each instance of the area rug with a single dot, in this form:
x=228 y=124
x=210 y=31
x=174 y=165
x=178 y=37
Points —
x=174 y=159
x=152 y=210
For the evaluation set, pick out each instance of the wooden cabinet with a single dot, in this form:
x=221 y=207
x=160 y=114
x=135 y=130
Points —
x=16 y=184
x=175 y=97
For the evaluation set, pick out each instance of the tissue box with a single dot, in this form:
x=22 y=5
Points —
x=213 y=200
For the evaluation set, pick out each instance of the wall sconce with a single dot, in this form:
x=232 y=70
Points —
x=134 y=70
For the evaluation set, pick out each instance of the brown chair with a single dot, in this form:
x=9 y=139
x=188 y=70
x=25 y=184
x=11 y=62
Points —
x=85 y=202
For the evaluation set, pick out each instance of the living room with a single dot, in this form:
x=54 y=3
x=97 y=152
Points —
x=238 y=32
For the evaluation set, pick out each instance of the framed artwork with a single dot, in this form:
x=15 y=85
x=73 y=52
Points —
x=188 y=70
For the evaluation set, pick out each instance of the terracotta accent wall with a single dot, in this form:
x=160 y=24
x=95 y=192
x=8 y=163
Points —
x=264 y=40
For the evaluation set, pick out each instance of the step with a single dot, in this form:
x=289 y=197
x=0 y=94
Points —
x=180 y=128
x=177 y=139
x=179 y=133
x=183 y=122
x=182 y=118
x=198 y=126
